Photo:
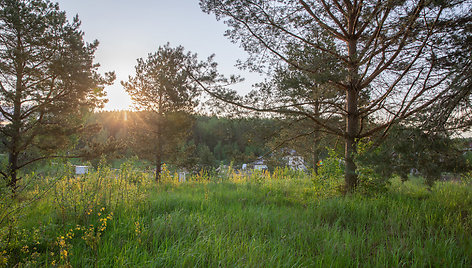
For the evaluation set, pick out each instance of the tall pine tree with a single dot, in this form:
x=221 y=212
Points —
x=48 y=81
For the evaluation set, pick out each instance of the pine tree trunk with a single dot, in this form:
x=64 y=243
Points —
x=352 y=127
x=158 y=168
x=13 y=170
x=350 y=176
x=159 y=146
x=159 y=157
x=14 y=151
x=352 y=109
x=316 y=137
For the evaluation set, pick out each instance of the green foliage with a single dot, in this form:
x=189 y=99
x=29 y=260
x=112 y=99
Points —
x=328 y=179
x=162 y=82
x=331 y=167
x=467 y=178
x=75 y=197
x=210 y=141
x=165 y=91
x=6 y=202
x=371 y=182
x=205 y=157
x=281 y=173
x=67 y=207
x=233 y=140
x=406 y=149
x=468 y=157
x=333 y=64
x=266 y=219
x=49 y=82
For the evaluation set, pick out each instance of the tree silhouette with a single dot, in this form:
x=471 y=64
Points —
x=164 y=91
x=48 y=81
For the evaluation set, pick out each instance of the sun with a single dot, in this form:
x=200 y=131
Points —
x=118 y=99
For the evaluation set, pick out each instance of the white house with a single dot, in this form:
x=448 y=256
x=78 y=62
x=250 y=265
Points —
x=259 y=165
x=294 y=161
x=79 y=170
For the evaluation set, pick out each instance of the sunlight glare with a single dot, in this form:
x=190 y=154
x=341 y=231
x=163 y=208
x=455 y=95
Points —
x=118 y=99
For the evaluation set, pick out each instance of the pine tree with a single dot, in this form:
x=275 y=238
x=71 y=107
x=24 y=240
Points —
x=48 y=81
x=163 y=90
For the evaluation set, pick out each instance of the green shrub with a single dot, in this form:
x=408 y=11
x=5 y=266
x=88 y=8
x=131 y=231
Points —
x=371 y=182
x=328 y=181
x=75 y=197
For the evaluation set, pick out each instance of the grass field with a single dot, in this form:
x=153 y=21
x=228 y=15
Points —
x=121 y=218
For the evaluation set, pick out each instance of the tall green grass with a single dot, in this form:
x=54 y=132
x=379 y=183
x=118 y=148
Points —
x=282 y=219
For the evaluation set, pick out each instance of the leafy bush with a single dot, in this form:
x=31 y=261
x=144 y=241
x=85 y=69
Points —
x=371 y=182
x=328 y=181
x=77 y=196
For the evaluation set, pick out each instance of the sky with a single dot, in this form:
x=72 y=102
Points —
x=128 y=30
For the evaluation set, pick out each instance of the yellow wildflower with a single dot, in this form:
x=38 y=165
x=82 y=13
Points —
x=3 y=257
x=24 y=249
x=63 y=253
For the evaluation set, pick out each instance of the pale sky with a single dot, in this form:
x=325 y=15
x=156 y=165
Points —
x=130 y=29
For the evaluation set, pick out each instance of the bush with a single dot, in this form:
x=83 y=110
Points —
x=371 y=182
x=77 y=196
x=328 y=181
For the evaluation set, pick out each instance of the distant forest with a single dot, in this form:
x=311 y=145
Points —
x=212 y=141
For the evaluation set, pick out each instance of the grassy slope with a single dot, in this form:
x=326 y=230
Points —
x=276 y=223
x=281 y=224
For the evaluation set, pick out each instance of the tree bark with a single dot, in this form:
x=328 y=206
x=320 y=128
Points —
x=13 y=155
x=350 y=149
x=159 y=145
x=158 y=168
x=12 y=170
x=352 y=109
x=316 y=137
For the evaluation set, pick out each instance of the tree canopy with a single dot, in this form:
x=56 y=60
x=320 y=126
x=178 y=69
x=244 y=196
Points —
x=165 y=92
x=48 y=80
x=386 y=52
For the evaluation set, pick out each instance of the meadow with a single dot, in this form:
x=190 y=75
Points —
x=122 y=218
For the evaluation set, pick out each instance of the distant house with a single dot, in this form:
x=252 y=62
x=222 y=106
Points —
x=80 y=170
x=259 y=164
x=294 y=160
x=256 y=165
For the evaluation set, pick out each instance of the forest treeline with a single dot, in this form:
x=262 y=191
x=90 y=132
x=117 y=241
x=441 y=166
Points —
x=210 y=141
